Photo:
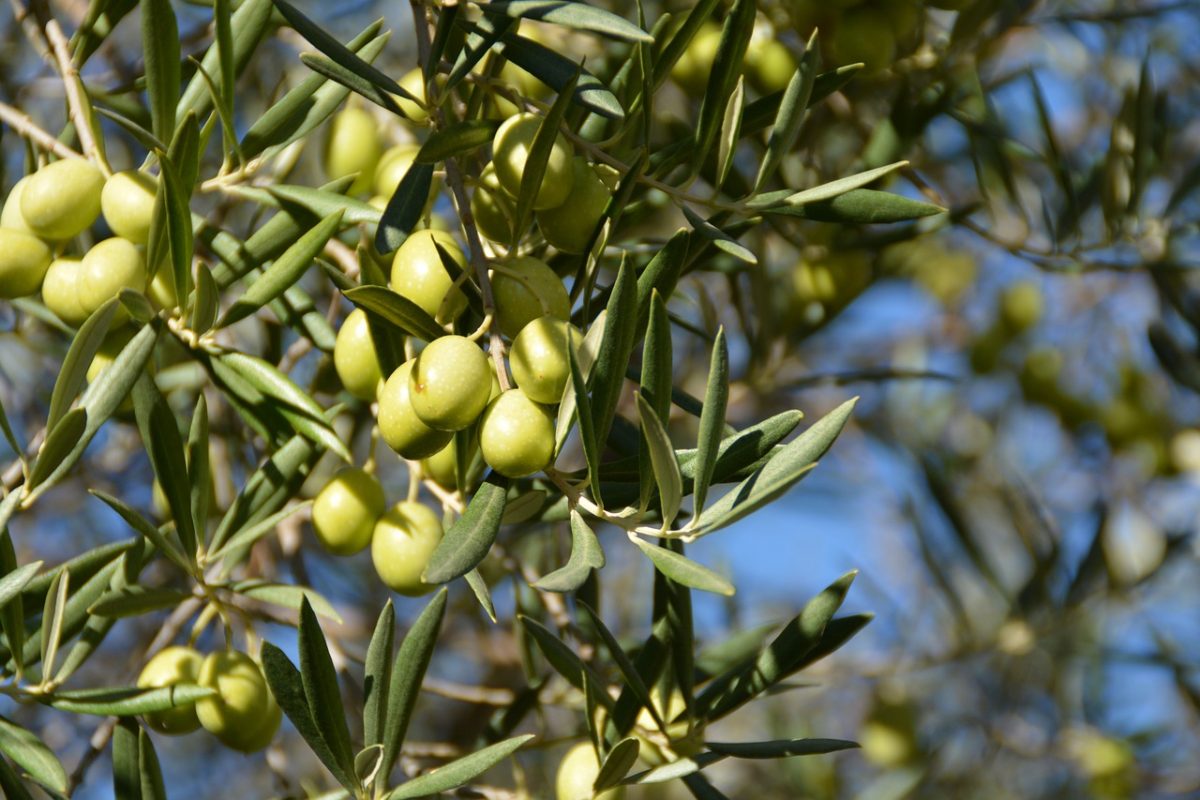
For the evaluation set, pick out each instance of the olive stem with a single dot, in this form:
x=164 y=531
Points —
x=80 y=109
x=23 y=124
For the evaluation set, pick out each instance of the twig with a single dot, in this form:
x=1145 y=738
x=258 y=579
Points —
x=75 y=100
x=23 y=124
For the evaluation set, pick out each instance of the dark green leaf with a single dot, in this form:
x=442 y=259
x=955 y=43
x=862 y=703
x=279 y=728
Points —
x=73 y=374
x=11 y=783
x=657 y=362
x=586 y=555
x=828 y=191
x=299 y=200
x=377 y=675
x=791 y=113
x=399 y=311
x=199 y=468
x=682 y=569
x=471 y=536
x=248 y=25
x=160 y=48
x=127 y=779
x=634 y=683
x=288 y=595
x=780 y=748
x=60 y=451
x=607 y=376
x=579 y=16
x=735 y=38
x=459 y=771
x=127 y=702
x=483 y=594
x=457 y=140
x=862 y=206
x=662 y=460
x=29 y=753
x=130 y=601
x=250 y=534
x=562 y=658
x=164 y=445
x=712 y=420
x=14 y=581
x=207 y=301
x=583 y=412
x=147 y=529
x=408 y=672
x=405 y=207
x=557 y=71
x=661 y=274
x=355 y=83
x=321 y=690
x=617 y=764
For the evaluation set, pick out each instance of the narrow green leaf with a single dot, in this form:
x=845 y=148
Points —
x=399 y=311
x=862 y=206
x=12 y=612
x=9 y=436
x=578 y=16
x=207 y=300
x=355 y=83
x=127 y=702
x=73 y=375
x=828 y=191
x=405 y=207
x=321 y=689
x=471 y=536
x=720 y=239
x=226 y=57
x=483 y=594
x=60 y=450
x=147 y=529
x=460 y=771
x=29 y=753
x=267 y=490
x=661 y=274
x=178 y=224
x=14 y=581
x=127 y=779
x=149 y=770
x=779 y=474
x=250 y=534
x=10 y=782
x=457 y=140
x=199 y=468
x=131 y=601
x=583 y=413
x=248 y=25
x=562 y=658
x=731 y=130
x=780 y=748
x=607 y=376
x=300 y=200
x=700 y=13
x=288 y=595
x=735 y=38
x=52 y=620
x=145 y=138
x=160 y=48
x=557 y=71
x=288 y=687
x=539 y=155
x=586 y=555
x=164 y=445
x=682 y=569
x=377 y=675
x=662 y=459
x=617 y=764
x=791 y=113
x=583 y=357
x=655 y=380
x=712 y=421
x=408 y=672
x=286 y=270
x=367 y=763
x=634 y=683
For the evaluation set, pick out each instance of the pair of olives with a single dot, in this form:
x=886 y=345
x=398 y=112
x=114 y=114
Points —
x=351 y=512
x=242 y=713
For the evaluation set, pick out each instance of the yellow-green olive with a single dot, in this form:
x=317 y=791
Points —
x=524 y=289
x=24 y=259
x=168 y=667
x=516 y=435
x=62 y=198
x=510 y=151
x=10 y=216
x=494 y=211
x=345 y=511
x=770 y=65
x=448 y=383
x=577 y=774
x=539 y=361
x=161 y=289
x=60 y=290
x=442 y=466
x=110 y=266
x=414 y=83
x=864 y=36
x=692 y=69
x=569 y=227
x=353 y=148
x=355 y=359
x=404 y=539
x=419 y=274
x=1021 y=306
x=242 y=708
x=399 y=425
x=128 y=204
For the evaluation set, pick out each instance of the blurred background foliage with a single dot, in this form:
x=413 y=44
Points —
x=1020 y=484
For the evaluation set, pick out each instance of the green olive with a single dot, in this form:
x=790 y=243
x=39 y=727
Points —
x=404 y=539
x=345 y=511
x=569 y=227
x=24 y=259
x=1021 y=306
x=510 y=151
x=524 y=289
x=494 y=211
x=242 y=703
x=60 y=290
x=447 y=386
x=419 y=274
x=516 y=435
x=128 y=204
x=62 y=198
x=692 y=69
x=168 y=667
x=399 y=425
x=353 y=148
x=539 y=360
x=865 y=36
x=110 y=266
x=257 y=736
x=770 y=65
x=161 y=289
x=442 y=466
x=414 y=83
x=10 y=216
x=355 y=359
x=392 y=166
x=577 y=774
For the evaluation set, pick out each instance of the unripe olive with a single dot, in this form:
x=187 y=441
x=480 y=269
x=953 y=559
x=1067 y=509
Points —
x=524 y=289
x=569 y=227
x=539 y=359
x=404 y=539
x=494 y=211
x=865 y=36
x=161 y=289
x=904 y=14
x=24 y=259
x=62 y=198
x=442 y=466
x=448 y=386
x=692 y=69
x=516 y=435
x=110 y=266
x=345 y=511
x=1021 y=306
x=60 y=290
x=355 y=359
x=577 y=773
x=392 y=166
x=242 y=704
x=399 y=425
x=128 y=204
x=171 y=666
x=10 y=216
x=510 y=151
x=419 y=274
x=353 y=147
x=414 y=83
x=770 y=65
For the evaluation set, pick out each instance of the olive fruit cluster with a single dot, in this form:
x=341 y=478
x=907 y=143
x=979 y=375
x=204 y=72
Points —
x=60 y=201
x=822 y=287
x=569 y=202
x=242 y=712
x=768 y=64
x=867 y=31
x=351 y=512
